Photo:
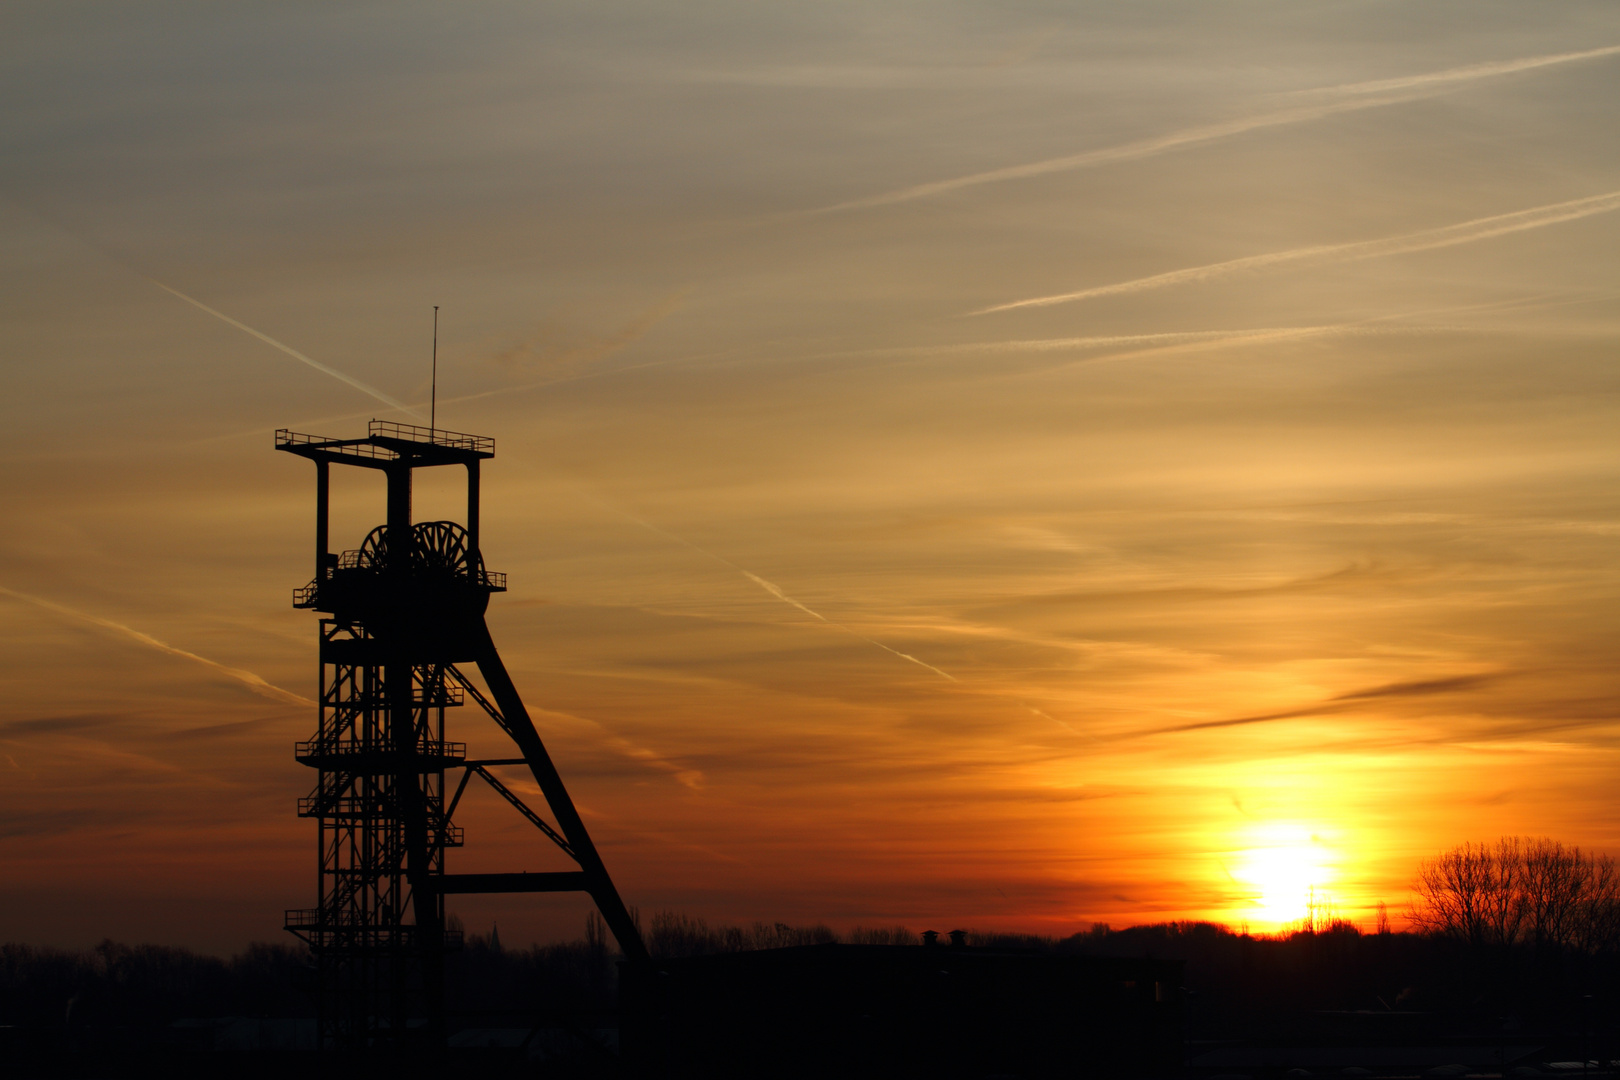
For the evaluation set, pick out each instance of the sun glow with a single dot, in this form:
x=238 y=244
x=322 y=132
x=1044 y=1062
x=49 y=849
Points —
x=1284 y=870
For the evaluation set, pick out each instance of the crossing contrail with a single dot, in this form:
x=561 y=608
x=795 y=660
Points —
x=1465 y=232
x=773 y=589
x=1369 y=95
x=248 y=679
x=342 y=377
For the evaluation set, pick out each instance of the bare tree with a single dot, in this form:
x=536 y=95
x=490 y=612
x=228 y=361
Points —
x=1534 y=892
x=1459 y=894
x=1599 y=930
x=1552 y=892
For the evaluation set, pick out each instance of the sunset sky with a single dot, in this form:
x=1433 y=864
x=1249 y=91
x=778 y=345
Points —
x=985 y=465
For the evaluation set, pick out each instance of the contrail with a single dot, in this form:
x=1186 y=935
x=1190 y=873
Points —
x=1125 y=152
x=1392 y=91
x=781 y=594
x=772 y=588
x=1239 y=337
x=1049 y=716
x=1183 y=341
x=1470 y=72
x=1066 y=344
x=194 y=302
x=1465 y=232
x=1152 y=340
x=776 y=591
x=1017 y=345
x=292 y=352
x=247 y=678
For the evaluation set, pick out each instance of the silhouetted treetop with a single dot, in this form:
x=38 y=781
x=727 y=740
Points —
x=1520 y=891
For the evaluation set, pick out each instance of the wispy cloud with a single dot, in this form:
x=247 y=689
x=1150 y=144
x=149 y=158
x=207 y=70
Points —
x=1356 y=575
x=554 y=346
x=248 y=679
x=54 y=725
x=33 y=824
x=1418 y=688
x=683 y=774
x=1465 y=232
x=1357 y=96
x=1338 y=703
x=324 y=369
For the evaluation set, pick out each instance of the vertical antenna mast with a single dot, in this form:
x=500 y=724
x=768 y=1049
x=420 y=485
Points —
x=433 y=400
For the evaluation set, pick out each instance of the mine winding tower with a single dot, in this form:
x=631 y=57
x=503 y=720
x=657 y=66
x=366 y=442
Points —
x=402 y=616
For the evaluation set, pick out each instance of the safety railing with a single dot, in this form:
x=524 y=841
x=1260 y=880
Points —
x=319 y=927
x=285 y=437
x=448 y=695
x=358 y=559
x=343 y=806
x=348 y=808
x=457 y=440
x=434 y=748
x=286 y=440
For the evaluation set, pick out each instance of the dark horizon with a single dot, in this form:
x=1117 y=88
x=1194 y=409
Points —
x=962 y=465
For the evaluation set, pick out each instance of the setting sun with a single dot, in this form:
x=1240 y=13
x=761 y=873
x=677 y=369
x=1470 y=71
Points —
x=1284 y=870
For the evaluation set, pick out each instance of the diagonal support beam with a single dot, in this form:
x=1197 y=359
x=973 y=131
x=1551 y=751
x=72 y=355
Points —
x=506 y=793
x=508 y=711
x=483 y=702
x=450 y=811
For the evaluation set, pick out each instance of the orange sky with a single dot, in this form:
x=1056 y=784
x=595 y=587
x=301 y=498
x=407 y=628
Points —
x=997 y=466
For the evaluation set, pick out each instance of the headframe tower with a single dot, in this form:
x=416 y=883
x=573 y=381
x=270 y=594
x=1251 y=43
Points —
x=401 y=615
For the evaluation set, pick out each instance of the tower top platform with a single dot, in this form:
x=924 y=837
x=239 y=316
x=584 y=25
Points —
x=388 y=444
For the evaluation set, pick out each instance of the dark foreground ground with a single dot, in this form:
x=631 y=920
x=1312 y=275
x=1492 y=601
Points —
x=1186 y=1000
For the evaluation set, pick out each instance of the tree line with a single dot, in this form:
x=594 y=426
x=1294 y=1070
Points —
x=1521 y=893
x=1516 y=926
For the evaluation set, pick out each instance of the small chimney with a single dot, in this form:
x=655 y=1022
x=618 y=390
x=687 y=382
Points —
x=958 y=939
x=930 y=938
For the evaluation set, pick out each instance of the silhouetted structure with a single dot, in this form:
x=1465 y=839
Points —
x=403 y=610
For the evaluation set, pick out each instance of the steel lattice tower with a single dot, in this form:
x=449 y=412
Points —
x=402 y=612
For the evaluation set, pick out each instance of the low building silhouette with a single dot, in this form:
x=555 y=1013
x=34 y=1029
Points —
x=888 y=1010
